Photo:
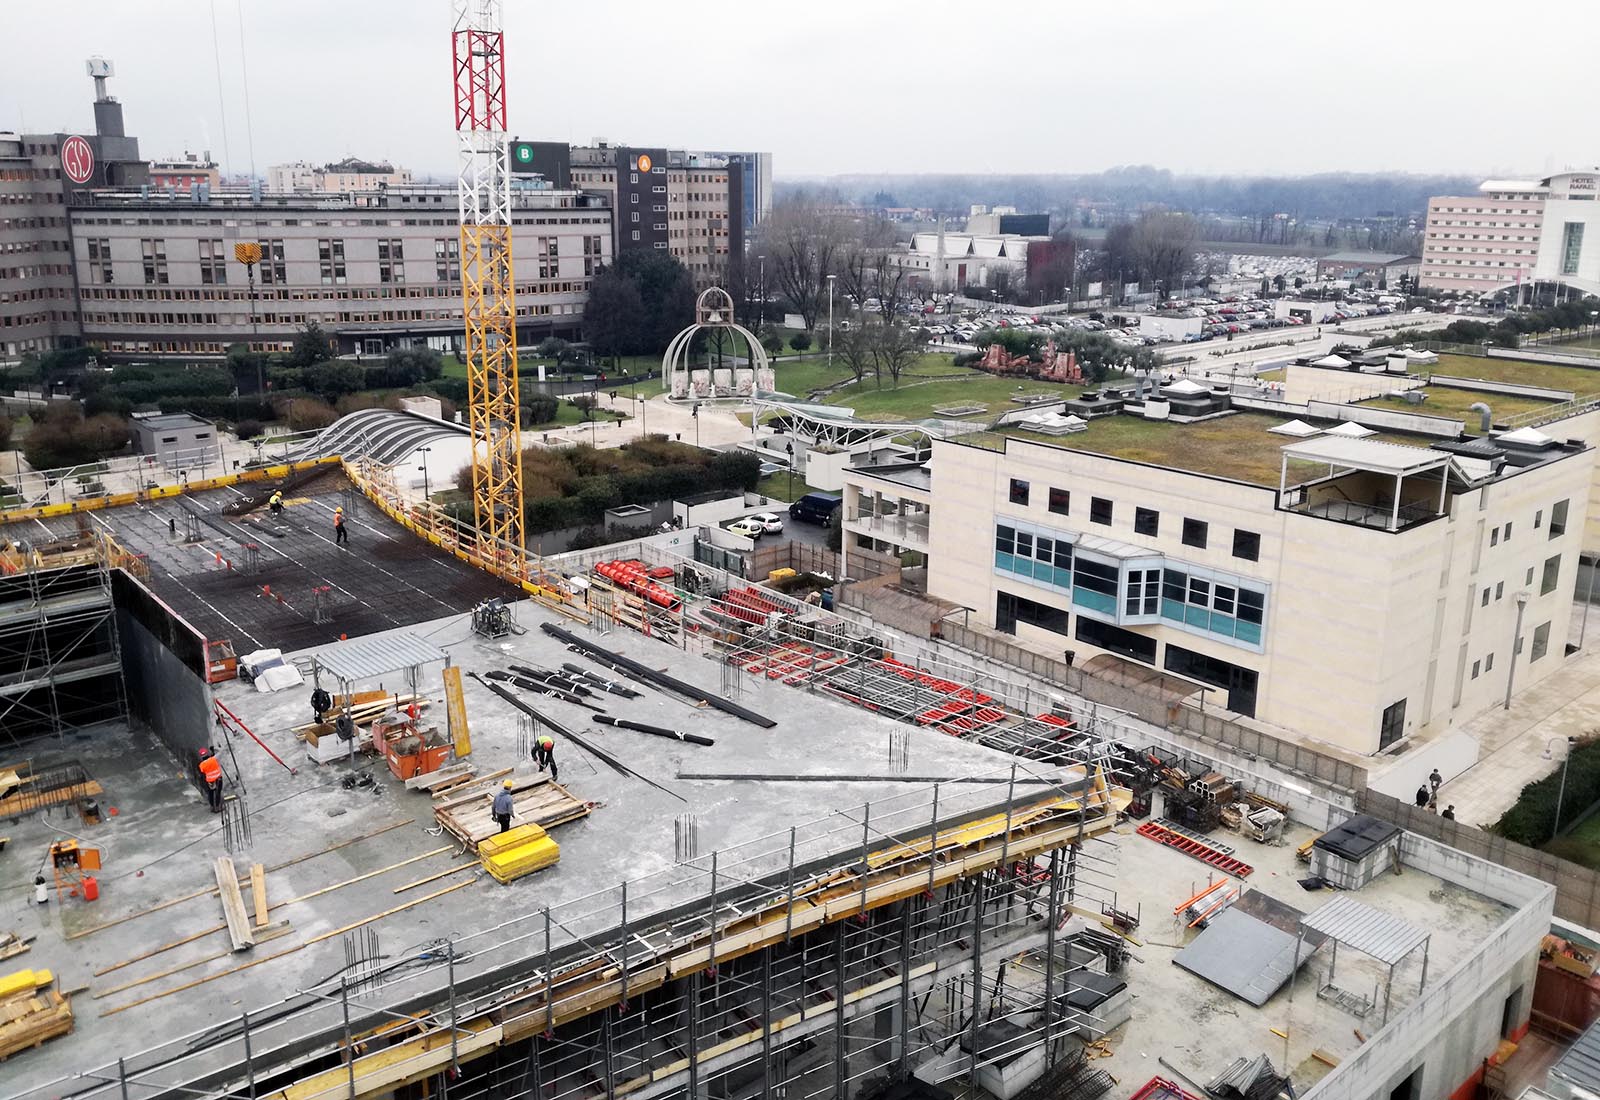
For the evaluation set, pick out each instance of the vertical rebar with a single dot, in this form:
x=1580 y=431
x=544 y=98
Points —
x=866 y=864
x=605 y=1036
x=122 y=1078
x=788 y=917
x=840 y=1057
x=1050 y=950
x=450 y=970
x=349 y=1041
x=249 y=1060
x=623 y=1004
x=694 y=1033
x=549 y=979
x=711 y=921
x=905 y=986
x=977 y=977
x=933 y=840
x=766 y=1023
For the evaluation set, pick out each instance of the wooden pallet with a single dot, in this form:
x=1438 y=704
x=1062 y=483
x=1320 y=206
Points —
x=540 y=801
x=29 y=1019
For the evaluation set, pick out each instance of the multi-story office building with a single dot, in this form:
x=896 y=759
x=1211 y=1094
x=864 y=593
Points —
x=38 y=300
x=690 y=205
x=375 y=269
x=350 y=174
x=1355 y=591
x=1516 y=233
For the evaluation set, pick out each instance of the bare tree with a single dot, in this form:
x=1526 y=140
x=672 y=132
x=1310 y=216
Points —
x=895 y=347
x=889 y=286
x=855 y=347
x=1164 y=245
x=802 y=243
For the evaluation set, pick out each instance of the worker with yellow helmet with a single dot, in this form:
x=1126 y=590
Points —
x=340 y=536
x=503 y=805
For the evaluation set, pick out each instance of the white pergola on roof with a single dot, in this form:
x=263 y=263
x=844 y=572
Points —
x=1367 y=454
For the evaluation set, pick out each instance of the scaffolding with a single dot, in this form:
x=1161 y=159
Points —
x=830 y=957
x=60 y=663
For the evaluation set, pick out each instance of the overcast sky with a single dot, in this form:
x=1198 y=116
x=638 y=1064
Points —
x=839 y=86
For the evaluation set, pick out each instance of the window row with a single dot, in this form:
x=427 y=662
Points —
x=1146 y=521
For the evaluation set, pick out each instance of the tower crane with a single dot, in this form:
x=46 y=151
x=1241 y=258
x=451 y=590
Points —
x=487 y=290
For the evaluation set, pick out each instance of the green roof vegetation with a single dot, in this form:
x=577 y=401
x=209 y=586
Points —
x=1455 y=404
x=1238 y=446
x=1580 y=380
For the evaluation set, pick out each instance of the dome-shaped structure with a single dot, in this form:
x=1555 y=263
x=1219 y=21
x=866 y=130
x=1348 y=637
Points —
x=713 y=311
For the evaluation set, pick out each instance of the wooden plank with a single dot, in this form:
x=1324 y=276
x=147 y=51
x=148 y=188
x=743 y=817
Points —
x=233 y=905
x=455 y=705
x=258 y=893
x=428 y=780
x=464 y=795
x=271 y=932
x=208 y=891
x=434 y=878
x=391 y=912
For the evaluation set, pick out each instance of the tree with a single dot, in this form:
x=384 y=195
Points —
x=772 y=341
x=1117 y=260
x=800 y=341
x=854 y=347
x=551 y=347
x=612 y=318
x=894 y=348
x=1266 y=286
x=585 y=404
x=5 y=432
x=1299 y=282
x=334 y=377
x=802 y=244
x=1164 y=246
x=311 y=345
x=1279 y=283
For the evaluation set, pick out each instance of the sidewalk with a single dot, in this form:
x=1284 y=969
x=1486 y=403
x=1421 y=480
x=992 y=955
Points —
x=1512 y=742
x=719 y=425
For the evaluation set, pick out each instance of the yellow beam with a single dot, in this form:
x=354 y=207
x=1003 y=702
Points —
x=494 y=403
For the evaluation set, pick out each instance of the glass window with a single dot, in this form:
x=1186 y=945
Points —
x=1485 y=596
x=1175 y=585
x=1060 y=501
x=1541 y=642
x=1223 y=597
x=1477 y=666
x=1252 y=605
x=1488 y=663
x=1537 y=518
x=1247 y=545
x=1393 y=725
x=1571 y=247
x=1043 y=548
x=1194 y=533
x=1558 y=519
x=1019 y=491
x=1099 y=510
x=1005 y=539
x=1199 y=592
x=1096 y=576
x=1063 y=559
x=1552 y=573
x=1494 y=536
x=1146 y=521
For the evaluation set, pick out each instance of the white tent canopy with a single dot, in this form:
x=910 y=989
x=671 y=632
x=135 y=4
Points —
x=1351 y=430
x=1297 y=428
x=1332 y=361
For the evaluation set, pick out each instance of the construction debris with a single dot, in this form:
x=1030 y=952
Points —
x=1248 y=1079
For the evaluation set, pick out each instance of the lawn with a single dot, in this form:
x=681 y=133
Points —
x=784 y=487
x=1580 y=380
x=1238 y=446
x=917 y=401
x=1456 y=404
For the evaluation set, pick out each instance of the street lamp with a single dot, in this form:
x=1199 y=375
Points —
x=426 y=496
x=1516 y=646
x=761 y=314
x=830 y=321
x=644 y=407
x=790 y=448
x=695 y=412
x=1561 y=792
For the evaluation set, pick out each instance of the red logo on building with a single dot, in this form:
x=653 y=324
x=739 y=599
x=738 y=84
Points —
x=77 y=159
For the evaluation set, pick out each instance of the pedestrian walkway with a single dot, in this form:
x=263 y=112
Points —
x=718 y=425
x=1512 y=743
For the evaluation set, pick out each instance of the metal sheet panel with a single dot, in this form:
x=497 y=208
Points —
x=1372 y=932
x=1247 y=957
x=364 y=658
x=1579 y=1067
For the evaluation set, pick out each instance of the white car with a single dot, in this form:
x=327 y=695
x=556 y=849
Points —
x=747 y=527
x=771 y=522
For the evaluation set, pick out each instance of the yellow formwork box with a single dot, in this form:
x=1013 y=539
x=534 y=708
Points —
x=517 y=852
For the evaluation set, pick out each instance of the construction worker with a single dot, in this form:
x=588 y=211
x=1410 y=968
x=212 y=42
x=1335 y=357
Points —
x=503 y=806
x=211 y=775
x=544 y=755
x=276 y=503
x=340 y=536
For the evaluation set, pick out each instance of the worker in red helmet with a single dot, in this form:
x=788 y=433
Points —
x=544 y=754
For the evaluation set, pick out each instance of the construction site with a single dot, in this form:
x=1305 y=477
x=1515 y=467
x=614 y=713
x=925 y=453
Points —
x=313 y=790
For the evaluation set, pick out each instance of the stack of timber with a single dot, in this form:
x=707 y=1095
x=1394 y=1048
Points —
x=363 y=711
x=13 y=944
x=520 y=851
x=446 y=778
x=537 y=801
x=31 y=1011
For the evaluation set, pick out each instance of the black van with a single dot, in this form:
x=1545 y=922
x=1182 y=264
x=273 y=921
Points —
x=815 y=507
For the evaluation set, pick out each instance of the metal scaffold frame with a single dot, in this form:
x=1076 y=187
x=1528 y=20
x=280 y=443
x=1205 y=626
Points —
x=818 y=932
x=57 y=628
x=487 y=287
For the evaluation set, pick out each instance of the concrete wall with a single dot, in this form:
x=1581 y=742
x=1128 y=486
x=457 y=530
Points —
x=1455 y=1023
x=159 y=655
x=1387 y=419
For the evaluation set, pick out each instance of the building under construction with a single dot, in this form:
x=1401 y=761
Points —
x=799 y=854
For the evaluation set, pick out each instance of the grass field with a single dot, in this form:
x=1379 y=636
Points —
x=1456 y=404
x=915 y=402
x=1581 y=843
x=1579 y=380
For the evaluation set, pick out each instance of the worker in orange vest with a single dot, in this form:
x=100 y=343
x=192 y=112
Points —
x=211 y=774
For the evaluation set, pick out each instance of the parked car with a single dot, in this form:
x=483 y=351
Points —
x=748 y=527
x=771 y=522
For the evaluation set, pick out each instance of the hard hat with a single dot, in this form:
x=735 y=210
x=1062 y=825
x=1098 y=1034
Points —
x=508 y=784
x=338 y=509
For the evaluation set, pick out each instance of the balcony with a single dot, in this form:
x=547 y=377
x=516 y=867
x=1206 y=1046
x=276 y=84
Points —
x=908 y=531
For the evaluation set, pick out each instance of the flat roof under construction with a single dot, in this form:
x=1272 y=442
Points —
x=386 y=577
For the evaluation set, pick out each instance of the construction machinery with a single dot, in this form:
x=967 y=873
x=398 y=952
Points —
x=488 y=292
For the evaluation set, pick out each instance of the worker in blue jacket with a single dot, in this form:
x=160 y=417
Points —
x=503 y=806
